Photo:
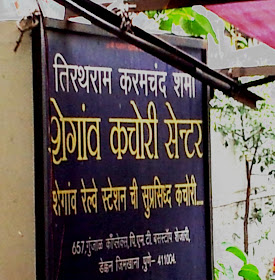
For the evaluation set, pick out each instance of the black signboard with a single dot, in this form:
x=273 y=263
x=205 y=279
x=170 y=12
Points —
x=124 y=185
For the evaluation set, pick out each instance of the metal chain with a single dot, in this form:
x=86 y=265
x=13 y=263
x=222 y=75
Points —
x=122 y=9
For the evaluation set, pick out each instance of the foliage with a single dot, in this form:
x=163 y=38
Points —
x=251 y=131
x=248 y=270
x=239 y=39
x=191 y=22
x=267 y=209
x=238 y=253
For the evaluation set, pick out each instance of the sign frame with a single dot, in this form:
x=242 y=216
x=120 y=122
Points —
x=43 y=174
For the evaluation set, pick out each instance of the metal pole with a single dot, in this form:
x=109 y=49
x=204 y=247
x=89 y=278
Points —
x=101 y=17
x=258 y=82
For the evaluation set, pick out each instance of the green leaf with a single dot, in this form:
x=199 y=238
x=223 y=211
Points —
x=216 y=274
x=166 y=25
x=250 y=267
x=238 y=253
x=227 y=26
x=249 y=272
x=229 y=273
x=262 y=169
x=151 y=14
x=242 y=43
x=189 y=20
x=226 y=271
x=222 y=267
x=175 y=15
x=197 y=25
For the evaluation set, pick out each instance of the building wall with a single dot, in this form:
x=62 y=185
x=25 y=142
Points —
x=17 y=230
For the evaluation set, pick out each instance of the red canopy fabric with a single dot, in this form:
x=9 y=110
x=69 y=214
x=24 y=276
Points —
x=254 y=18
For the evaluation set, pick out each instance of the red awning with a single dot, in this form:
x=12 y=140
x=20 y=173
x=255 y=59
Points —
x=254 y=18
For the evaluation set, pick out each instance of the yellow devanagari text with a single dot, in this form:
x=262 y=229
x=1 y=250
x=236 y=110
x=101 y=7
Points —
x=187 y=192
x=134 y=193
x=138 y=136
x=114 y=198
x=89 y=197
x=186 y=129
x=71 y=135
x=155 y=196
x=64 y=201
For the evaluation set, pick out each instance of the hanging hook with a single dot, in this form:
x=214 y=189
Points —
x=26 y=23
